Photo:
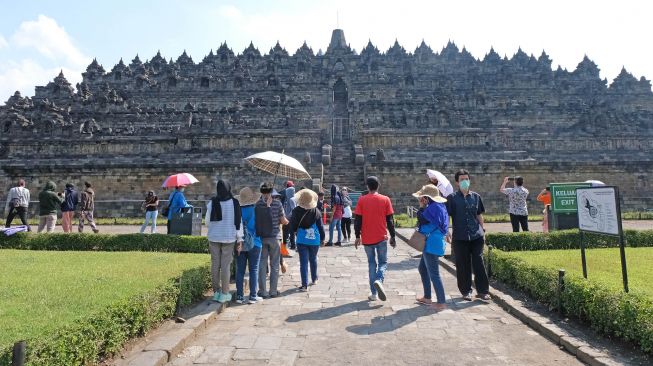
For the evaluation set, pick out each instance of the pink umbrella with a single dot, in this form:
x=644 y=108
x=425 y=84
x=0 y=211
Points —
x=178 y=180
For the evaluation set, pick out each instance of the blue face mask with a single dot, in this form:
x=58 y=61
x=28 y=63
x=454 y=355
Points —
x=464 y=184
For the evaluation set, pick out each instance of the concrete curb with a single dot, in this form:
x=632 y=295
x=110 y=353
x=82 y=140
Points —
x=544 y=326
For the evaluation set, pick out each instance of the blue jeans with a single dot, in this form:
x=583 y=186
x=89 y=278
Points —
x=307 y=254
x=150 y=216
x=429 y=271
x=252 y=256
x=334 y=223
x=377 y=273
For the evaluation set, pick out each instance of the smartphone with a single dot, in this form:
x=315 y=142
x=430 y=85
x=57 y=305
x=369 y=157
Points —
x=511 y=179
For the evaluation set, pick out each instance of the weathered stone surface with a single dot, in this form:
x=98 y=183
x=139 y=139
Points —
x=149 y=358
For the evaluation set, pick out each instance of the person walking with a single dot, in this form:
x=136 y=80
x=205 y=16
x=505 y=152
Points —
x=151 y=207
x=176 y=203
x=49 y=201
x=288 y=201
x=249 y=252
x=433 y=222
x=225 y=232
x=306 y=221
x=87 y=205
x=373 y=221
x=17 y=204
x=346 y=215
x=71 y=199
x=517 y=198
x=269 y=215
x=337 y=209
x=466 y=210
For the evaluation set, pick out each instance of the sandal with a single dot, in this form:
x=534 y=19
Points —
x=485 y=297
x=424 y=301
x=467 y=297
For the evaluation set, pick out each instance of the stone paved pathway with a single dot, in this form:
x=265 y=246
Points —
x=334 y=324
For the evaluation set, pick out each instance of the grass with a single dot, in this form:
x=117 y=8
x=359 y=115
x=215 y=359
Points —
x=41 y=290
x=603 y=265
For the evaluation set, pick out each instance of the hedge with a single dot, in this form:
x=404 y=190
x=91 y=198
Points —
x=609 y=311
x=106 y=242
x=102 y=334
x=565 y=239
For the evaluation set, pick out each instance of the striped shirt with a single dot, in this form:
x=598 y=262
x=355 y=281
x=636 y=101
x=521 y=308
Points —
x=223 y=231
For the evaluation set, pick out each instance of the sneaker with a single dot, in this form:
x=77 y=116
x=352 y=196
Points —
x=274 y=295
x=313 y=283
x=485 y=297
x=372 y=298
x=240 y=299
x=254 y=300
x=467 y=297
x=303 y=288
x=217 y=296
x=96 y=230
x=338 y=244
x=380 y=290
x=329 y=244
x=225 y=297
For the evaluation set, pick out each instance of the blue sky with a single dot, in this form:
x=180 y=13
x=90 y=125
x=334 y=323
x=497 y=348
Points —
x=39 y=37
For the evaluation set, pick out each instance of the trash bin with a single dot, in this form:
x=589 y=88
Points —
x=187 y=222
x=563 y=221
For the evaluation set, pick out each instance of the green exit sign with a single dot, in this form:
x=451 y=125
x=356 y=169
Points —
x=563 y=196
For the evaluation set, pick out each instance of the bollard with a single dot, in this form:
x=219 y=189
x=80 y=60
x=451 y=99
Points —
x=18 y=356
x=561 y=288
x=489 y=260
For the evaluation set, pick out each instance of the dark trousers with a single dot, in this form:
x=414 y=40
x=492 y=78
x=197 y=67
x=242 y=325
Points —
x=288 y=235
x=346 y=227
x=469 y=257
x=517 y=220
x=21 y=212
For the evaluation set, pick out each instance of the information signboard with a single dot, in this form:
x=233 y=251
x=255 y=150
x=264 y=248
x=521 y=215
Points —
x=563 y=196
x=597 y=210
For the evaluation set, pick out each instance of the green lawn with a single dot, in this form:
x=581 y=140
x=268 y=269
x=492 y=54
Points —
x=602 y=265
x=43 y=290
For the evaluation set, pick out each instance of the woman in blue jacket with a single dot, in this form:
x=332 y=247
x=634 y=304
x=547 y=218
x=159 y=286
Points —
x=433 y=222
x=177 y=202
x=306 y=221
x=250 y=251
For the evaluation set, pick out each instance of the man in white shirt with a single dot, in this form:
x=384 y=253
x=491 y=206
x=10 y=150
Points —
x=17 y=203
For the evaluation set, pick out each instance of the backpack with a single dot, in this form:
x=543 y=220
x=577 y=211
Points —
x=15 y=202
x=263 y=215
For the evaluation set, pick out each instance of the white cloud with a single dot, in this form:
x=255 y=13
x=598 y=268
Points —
x=3 y=42
x=230 y=12
x=24 y=75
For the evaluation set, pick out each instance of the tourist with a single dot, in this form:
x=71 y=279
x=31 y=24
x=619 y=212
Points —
x=151 y=207
x=306 y=221
x=346 y=215
x=249 y=252
x=283 y=250
x=225 y=232
x=373 y=220
x=433 y=222
x=288 y=201
x=49 y=201
x=466 y=210
x=176 y=203
x=87 y=206
x=545 y=198
x=517 y=201
x=71 y=199
x=17 y=204
x=337 y=210
x=268 y=216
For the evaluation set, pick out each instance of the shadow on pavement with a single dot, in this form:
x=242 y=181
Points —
x=328 y=313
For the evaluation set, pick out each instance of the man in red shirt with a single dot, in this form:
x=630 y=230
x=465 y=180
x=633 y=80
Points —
x=373 y=220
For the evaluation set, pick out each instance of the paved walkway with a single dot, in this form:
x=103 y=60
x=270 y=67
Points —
x=334 y=324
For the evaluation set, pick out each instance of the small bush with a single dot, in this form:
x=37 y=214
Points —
x=565 y=239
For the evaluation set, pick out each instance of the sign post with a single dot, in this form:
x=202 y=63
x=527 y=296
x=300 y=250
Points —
x=599 y=212
x=563 y=200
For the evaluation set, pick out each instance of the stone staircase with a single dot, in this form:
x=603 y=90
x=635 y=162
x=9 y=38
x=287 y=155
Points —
x=343 y=170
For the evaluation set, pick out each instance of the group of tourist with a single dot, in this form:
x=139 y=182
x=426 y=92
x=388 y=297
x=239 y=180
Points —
x=50 y=202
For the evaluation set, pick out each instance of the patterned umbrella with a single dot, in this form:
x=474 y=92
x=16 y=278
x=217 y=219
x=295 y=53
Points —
x=178 y=180
x=443 y=183
x=278 y=164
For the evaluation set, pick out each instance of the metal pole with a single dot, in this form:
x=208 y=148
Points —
x=561 y=289
x=18 y=356
x=274 y=181
x=582 y=255
x=622 y=244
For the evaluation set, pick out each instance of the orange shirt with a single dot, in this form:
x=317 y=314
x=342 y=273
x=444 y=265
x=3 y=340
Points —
x=545 y=198
x=374 y=208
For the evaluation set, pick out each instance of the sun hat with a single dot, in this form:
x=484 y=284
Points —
x=306 y=199
x=431 y=192
x=247 y=196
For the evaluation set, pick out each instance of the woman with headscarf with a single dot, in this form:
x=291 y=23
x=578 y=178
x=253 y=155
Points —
x=346 y=215
x=151 y=207
x=337 y=209
x=306 y=222
x=224 y=222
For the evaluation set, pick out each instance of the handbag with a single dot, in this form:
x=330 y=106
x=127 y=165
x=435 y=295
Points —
x=417 y=241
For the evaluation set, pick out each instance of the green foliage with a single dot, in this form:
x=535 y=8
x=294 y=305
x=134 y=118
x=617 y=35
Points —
x=565 y=239
x=106 y=242
x=605 y=308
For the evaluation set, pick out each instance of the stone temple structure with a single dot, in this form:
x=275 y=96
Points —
x=344 y=114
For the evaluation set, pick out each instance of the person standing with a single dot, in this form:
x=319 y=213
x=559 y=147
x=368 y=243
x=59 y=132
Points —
x=346 y=214
x=71 y=199
x=545 y=198
x=49 y=201
x=517 y=199
x=269 y=215
x=249 y=252
x=17 y=204
x=433 y=222
x=337 y=209
x=87 y=208
x=151 y=207
x=373 y=221
x=288 y=201
x=466 y=210
x=176 y=203
x=306 y=221
x=225 y=232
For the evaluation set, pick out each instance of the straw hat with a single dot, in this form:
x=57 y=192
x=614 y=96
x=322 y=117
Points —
x=306 y=199
x=431 y=192
x=247 y=196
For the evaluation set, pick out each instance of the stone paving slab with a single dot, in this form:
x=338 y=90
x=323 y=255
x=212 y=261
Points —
x=335 y=324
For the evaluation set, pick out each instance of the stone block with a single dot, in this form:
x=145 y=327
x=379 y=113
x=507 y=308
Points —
x=149 y=358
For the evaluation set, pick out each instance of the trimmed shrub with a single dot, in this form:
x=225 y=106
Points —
x=565 y=239
x=609 y=311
